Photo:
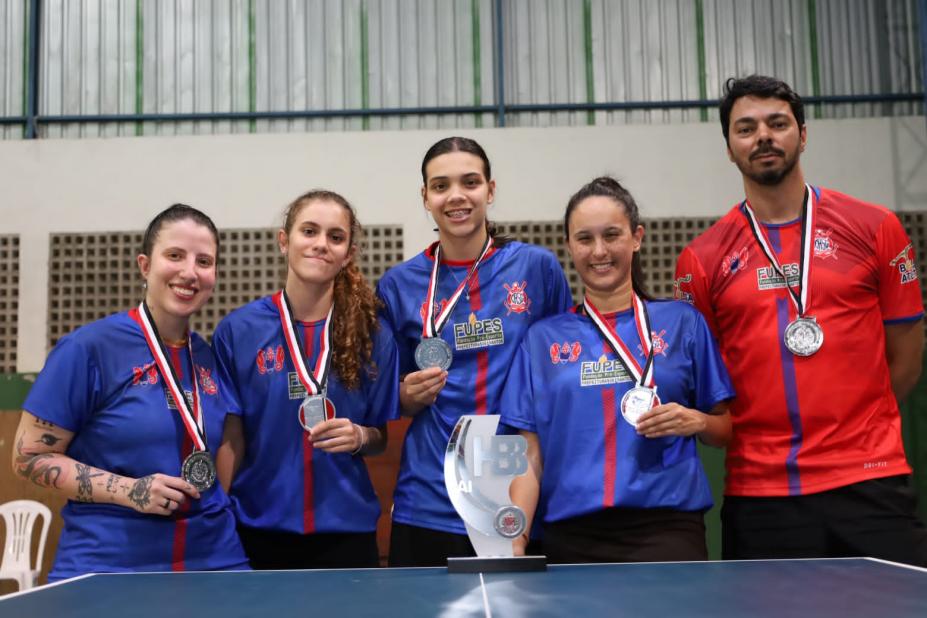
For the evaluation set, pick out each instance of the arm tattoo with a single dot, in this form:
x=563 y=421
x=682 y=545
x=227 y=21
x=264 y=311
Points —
x=84 y=484
x=37 y=468
x=49 y=439
x=112 y=483
x=141 y=492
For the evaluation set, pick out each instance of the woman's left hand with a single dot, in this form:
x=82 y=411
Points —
x=337 y=435
x=671 y=419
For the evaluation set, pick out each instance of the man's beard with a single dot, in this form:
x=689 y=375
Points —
x=769 y=177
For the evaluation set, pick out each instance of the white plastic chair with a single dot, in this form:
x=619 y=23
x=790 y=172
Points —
x=19 y=517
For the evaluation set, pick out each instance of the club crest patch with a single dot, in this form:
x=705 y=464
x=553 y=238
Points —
x=517 y=301
x=565 y=352
x=270 y=359
x=659 y=343
x=824 y=245
x=438 y=308
x=735 y=262
x=206 y=382
x=146 y=374
x=904 y=263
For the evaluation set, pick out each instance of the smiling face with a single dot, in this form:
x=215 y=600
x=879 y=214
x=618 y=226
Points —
x=765 y=141
x=602 y=246
x=318 y=244
x=457 y=194
x=180 y=273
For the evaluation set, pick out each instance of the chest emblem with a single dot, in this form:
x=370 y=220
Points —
x=146 y=374
x=735 y=262
x=206 y=382
x=659 y=343
x=517 y=301
x=824 y=245
x=565 y=352
x=270 y=359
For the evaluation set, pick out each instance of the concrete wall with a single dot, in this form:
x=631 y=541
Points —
x=246 y=180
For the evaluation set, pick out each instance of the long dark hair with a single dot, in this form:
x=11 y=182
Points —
x=355 y=321
x=465 y=144
x=606 y=186
x=177 y=212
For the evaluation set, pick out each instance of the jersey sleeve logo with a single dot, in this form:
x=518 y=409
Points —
x=904 y=262
x=679 y=293
x=735 y=262
x=565 y=352
x=517 y=301
x=270 y=360
x=824 y=245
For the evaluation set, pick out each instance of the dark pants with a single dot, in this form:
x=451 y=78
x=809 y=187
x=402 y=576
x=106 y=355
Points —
x=627 y=535
x=875 y=518
x=333 y=550
x=412 y=546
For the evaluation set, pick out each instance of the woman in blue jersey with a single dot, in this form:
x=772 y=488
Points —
x=314 y=373
x=611 y=397
x=458 y=310
x=125 y=416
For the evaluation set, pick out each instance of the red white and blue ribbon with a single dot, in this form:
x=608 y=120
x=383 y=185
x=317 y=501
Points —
x=801 y=299
x=192 y=419
x=314 y=382
x=643 y=376
x=432 y=324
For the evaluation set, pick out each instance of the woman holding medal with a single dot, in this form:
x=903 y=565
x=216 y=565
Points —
x=314 y=372
x=458 y=309
x=611 y=425
x=123 y=418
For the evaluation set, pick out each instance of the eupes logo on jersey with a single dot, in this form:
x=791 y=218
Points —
x=270 y=360
x=146 y=374
x=904 y=262
x=735 y=262
x=768 y=279
x=824 y=245
x=517 y=301
x=678 y=292
x=295 y=388
x=207 y=384
x=565 y=352
x=602 y=371
x=476 y=333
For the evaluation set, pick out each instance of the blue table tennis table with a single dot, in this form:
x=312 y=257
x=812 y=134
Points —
x=844 y=588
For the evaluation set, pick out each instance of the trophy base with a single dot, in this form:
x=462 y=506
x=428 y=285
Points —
x=499 y=564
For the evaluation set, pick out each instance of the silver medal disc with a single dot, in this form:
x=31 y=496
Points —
x=509 y=521
x=804 y=336
x=433 y=352
x=199 y=470
x=636 y=402
x=314 y=409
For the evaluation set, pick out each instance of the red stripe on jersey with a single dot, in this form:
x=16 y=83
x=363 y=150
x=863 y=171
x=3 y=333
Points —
x=308 y=498
x=611 y=449
x=186 y=447
x=482 y=357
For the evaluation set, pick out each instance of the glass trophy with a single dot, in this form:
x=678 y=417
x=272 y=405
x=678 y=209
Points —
x=478 y=468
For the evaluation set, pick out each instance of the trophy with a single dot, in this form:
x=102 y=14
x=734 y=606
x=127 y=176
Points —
x=478 y=468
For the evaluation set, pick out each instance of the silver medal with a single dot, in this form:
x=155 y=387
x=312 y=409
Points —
x=199 y=470
x=433 y=352
x=636 y=402
x=313 y=410
x=804 y=336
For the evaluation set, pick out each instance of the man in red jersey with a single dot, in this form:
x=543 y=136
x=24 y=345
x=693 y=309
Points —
x=815 y=300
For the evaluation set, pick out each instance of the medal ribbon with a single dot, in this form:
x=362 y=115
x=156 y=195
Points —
x=643 y=376
x=192 y=419
x=432 y=324
x=314 y=382
x=800 y=299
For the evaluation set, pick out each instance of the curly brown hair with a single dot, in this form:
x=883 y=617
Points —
x=355 y=320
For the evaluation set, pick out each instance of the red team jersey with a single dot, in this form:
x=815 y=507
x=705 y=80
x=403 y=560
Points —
x=807 y=424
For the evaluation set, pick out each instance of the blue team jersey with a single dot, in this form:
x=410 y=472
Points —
x=101 y=383
x=284 y=484
x=516 y=285
x=566 y=385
